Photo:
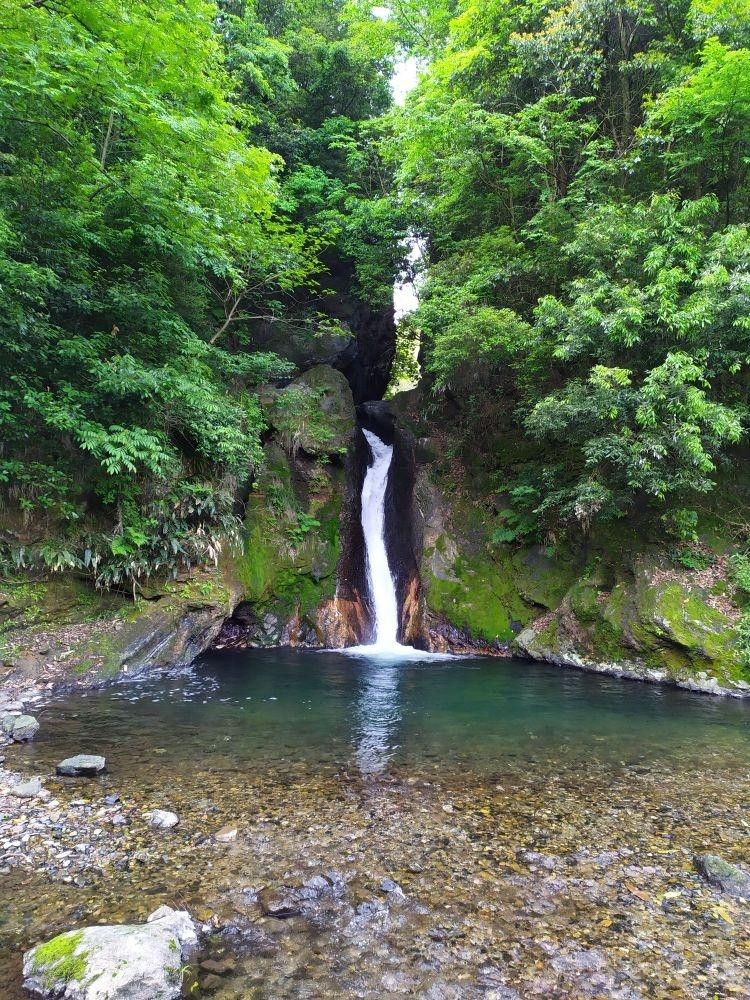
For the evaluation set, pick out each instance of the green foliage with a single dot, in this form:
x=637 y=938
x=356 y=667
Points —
x=317 y=96
x=579 y=174
x=682 y=523
x=692 y=557
x=739 y=571
x=148 y=225
x=304 y=524
x=188 y=527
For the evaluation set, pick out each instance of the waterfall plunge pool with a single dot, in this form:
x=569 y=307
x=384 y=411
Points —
x=539 y=823
x=321 y=709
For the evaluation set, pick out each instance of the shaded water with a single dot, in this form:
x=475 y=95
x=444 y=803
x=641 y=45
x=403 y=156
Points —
x=438 y=774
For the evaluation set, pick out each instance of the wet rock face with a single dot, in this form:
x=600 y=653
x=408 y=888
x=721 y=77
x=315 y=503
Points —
x=366 y=360
x=119 y=962
x=651 y=621
x=348 y=620
x=368 y=367
x=362 y=347
x=80 y=638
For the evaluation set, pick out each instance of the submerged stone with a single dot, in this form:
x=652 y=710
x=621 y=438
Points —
x=227 y=834
x=725 y=876
x=83 y=765
x=117 y=962
x=218 y=967
x=162 y=819
x=281 y=902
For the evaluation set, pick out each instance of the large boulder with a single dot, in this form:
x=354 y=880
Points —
x=117 y=962
x=315 y=413
x=653 y=621
x=112 y=636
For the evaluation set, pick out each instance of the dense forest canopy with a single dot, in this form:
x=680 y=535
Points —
x=580 y=173
x=170 y=175
x=175 y=176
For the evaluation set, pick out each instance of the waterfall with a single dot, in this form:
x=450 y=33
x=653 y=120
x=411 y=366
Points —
x=385 y=647
x=382 y=588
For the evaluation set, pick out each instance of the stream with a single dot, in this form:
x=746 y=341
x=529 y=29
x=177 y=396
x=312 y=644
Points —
x=468 y=827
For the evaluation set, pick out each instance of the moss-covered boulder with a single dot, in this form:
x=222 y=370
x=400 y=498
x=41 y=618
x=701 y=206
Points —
x=315 y=413
x=651 y=620
x=724 y=876
x=117 y=962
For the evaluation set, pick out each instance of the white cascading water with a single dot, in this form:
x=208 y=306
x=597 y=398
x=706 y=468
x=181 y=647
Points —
x=382 y=588
x=385 y=646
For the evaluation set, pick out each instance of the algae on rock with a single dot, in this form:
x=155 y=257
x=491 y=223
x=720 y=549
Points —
x=59 y=630
x=287 y=570
x=653 y=621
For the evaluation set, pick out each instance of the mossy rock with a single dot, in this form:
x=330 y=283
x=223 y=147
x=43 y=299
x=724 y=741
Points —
x=655 y=622
x=75 y=635
x=544 y=577
x=480 y=598
x=292 y=544
x=315 y=413
x=674 y=616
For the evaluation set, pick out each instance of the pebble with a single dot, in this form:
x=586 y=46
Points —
x=161 y=819
x=227 y=834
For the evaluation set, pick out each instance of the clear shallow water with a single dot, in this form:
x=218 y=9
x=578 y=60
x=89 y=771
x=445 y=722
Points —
x=438 y=774
x=332 y=710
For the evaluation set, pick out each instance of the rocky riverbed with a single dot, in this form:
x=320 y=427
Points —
x=552 y=884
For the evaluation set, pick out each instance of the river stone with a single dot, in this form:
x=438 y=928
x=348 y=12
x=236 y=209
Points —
x=725 y=876
x=218 y=967
x=83 y=765
x=280 y=901
x=162 y=819
x=20 y=727
x=116 y=962
x=227 y=834
x=27 y=789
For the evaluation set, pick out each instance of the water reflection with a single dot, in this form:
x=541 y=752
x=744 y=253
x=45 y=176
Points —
x=377 y=716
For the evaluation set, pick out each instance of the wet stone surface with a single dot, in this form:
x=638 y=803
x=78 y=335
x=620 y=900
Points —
x=551 y=874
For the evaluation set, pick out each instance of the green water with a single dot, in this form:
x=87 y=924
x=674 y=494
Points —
x=333 y=710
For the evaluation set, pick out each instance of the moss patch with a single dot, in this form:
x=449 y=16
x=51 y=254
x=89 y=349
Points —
x=480 y=598
x=293 y=542
x=56 y=960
